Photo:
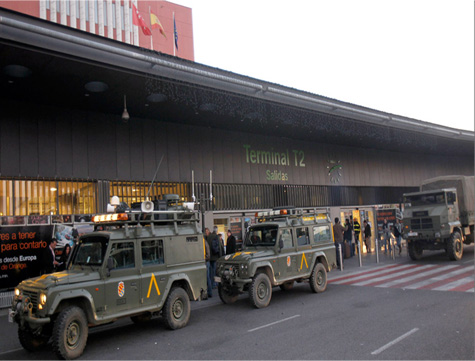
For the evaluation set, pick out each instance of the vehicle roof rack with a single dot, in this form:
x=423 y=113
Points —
x=292 y=214
x=136 y=218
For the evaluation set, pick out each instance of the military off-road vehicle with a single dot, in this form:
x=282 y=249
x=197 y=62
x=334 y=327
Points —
x=440 y=216
x=140 y=265
x=285 y=246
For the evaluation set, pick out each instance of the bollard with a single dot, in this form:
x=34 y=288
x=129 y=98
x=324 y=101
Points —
x=359 y=254
x=377 y=251
x=340 y=256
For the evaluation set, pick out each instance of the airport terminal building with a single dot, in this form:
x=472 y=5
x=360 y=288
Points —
x=235 y=143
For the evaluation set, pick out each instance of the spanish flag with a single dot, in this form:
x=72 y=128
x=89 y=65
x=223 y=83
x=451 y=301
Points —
x=156 y=23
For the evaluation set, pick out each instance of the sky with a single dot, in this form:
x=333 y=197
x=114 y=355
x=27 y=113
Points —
x=412 y=58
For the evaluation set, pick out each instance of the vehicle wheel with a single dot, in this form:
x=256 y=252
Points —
x=176 y=310
x=260 y=291
x=144 y=317
x=455 y=247
x=226 y=296
x=287 y=286
x=318 y=279
x=70 y=333
x=29 y=340
x=415 y=251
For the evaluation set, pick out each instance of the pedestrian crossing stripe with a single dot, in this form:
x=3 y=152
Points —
x=451 y=277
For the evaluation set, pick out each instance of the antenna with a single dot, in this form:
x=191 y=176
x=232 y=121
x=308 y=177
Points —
x=193 y=185
x=211 y=186
x=154 y=176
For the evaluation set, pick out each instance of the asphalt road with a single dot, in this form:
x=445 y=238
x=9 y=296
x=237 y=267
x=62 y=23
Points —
x=346 y=322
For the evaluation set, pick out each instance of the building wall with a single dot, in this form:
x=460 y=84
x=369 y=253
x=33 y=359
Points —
x=116 y=22
x=38 y=141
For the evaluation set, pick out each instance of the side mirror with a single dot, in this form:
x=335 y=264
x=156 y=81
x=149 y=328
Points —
x=281 y=244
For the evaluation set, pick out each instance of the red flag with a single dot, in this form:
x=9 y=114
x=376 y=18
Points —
x=138 y=20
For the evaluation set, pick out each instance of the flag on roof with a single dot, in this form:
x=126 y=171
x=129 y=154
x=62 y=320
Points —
x=175 y=32
x=138 y=20
x=156 y=23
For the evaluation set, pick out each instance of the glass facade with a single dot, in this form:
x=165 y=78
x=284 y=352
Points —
x=46 y=197
x=61 y=197
x=131 y=192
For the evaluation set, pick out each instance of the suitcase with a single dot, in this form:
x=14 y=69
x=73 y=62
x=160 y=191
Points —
x=347 y=250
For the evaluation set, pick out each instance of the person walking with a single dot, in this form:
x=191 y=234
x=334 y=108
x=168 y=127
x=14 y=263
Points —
x=64 y=258
x=338 y=231
x=367 y=236
x=230 y=243
x=49 y=257
x=357 y=230
x=386 y=235
x=397 y=230
x=348 y=236
x=215 y=248
x=221 y=244
x=208 y=266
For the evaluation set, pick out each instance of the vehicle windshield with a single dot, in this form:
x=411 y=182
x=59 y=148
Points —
x=90 y=251
x=261 y=236
x=425 y=199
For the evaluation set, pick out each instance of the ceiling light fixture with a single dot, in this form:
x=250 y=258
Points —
x=96 y=86
x=125 y=113
x=208 y=107
x=156 y=98
x=17 y=71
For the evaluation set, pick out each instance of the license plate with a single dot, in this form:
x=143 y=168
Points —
x=412 y=234
x=217 y=279
x=11 y=314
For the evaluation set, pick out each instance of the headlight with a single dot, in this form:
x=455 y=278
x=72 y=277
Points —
x=42 y=298
x=17 y=292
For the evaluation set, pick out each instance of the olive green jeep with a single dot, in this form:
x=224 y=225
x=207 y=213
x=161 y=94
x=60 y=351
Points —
x=139 y=266
x=285 y=246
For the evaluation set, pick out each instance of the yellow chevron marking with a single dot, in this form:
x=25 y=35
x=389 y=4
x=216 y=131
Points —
x=303 y=258
x=154 y=281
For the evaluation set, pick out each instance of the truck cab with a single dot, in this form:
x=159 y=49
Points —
x=432 y=222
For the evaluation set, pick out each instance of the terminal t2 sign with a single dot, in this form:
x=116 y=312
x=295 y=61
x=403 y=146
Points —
x=276 y=158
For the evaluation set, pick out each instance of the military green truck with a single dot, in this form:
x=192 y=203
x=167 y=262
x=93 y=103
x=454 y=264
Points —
x=141 y=264
x=285 y=246
x=440 y=216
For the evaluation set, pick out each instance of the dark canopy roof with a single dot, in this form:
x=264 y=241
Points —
x=62 y=66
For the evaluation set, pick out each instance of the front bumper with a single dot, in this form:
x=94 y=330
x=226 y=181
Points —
x=22 y=311
x=232 y=274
